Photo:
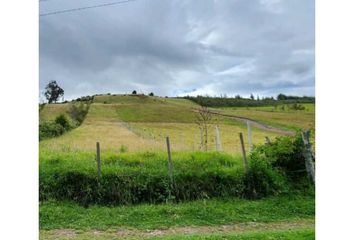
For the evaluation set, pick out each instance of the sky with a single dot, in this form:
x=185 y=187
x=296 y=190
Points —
x=179 y=47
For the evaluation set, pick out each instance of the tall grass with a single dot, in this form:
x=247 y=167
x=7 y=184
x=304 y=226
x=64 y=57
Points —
x=134 y=178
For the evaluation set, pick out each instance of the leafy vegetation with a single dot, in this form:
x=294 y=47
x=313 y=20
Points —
x=131 y=179
x=78 y=113
x=247 y=102
x=53 y=92
x=54 y=129
x=143 y=178
x=61 y=123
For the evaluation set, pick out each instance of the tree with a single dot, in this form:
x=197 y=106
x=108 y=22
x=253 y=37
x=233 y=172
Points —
x=53 y=92
x=281 y=97
x=151 y=94
x=204 y=119
x=252 y=97
x=134 y=92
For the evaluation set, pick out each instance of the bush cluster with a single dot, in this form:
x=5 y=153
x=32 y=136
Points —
x=275 y=167
x=85 y=99
x=245 y=102
x=78 y=112
x=54 y=129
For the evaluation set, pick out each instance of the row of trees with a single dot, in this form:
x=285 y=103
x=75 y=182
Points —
x=248 y=102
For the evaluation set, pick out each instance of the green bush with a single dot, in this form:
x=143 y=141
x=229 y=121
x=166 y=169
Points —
x=49 y=130
x=276 y=167
x=285 y=154
x=262 y=179
x=63 y=121
x=78 y=113
x=123 y=149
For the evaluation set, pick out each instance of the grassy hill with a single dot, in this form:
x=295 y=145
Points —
x=140 y=123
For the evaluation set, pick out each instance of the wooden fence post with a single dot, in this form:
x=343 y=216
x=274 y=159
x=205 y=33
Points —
x=249 y=129
x=201 y=139
x=217 y=139
x=98 y=159
x=310 y=168
x=244 y=153
x=170 y=166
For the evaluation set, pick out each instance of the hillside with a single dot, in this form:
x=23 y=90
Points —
x=140 y=123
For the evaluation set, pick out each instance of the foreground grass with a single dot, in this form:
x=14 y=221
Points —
x=302 y=234
x=59 y=215
x=290 y=234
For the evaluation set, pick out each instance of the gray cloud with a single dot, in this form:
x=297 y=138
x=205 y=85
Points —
x=180 y=47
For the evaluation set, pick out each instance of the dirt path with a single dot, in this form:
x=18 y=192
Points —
x=256 y=123
x=121 y=233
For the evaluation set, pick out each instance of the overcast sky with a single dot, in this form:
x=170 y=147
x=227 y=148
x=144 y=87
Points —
x=179 y=47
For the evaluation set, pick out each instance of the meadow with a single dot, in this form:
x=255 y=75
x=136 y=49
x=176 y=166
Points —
x=141 y=123
x=135 y=192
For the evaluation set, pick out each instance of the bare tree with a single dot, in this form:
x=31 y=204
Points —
x=204 y=119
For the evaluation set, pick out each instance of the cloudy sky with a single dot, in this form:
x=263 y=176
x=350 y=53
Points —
x=179 y=47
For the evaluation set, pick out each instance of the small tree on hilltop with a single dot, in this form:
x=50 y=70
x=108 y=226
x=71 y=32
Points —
x=53 y=92
x=134 y=92
x=151 y=94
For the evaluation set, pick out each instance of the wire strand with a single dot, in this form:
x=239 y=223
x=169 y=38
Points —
x=83 y=8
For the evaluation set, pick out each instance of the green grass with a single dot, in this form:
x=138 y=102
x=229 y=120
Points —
x=51 y=111
x=137 y=178
x=154 y=162
x=292 y=234
x=287 y=119
x=65 y=215
x=298 y=234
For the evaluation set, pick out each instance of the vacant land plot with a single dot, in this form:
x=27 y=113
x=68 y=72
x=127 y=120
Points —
x=141 y=123
x=287 y=119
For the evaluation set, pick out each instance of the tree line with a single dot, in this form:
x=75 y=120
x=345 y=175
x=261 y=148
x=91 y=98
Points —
x=238 y=101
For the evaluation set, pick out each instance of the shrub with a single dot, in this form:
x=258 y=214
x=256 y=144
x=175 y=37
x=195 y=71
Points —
x=123 y=149
x=78 y=113
x=63 y=121
x=49 y=130
x=262 y=179
x=297 y=106
x=285 y=154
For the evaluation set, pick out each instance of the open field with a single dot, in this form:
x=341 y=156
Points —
x=140 y=123
x=287 y=119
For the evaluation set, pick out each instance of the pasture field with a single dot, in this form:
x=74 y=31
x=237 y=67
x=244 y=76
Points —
x=140 y=123
x=275 y=116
